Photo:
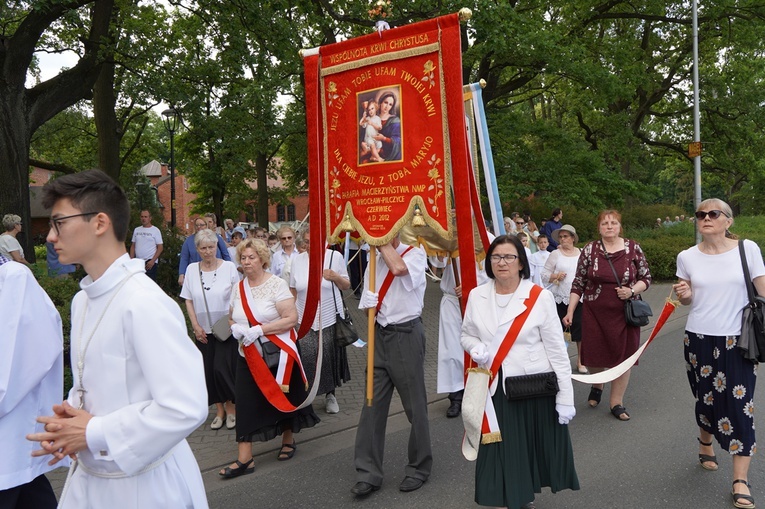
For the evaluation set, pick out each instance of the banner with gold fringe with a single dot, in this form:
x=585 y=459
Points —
x=388 y=131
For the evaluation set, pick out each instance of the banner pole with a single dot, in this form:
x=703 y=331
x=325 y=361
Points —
x=371 y=312
x=456 y=276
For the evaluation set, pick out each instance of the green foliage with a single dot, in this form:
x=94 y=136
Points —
x=167 y=273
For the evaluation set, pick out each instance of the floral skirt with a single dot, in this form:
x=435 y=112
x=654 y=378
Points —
x=722 y=382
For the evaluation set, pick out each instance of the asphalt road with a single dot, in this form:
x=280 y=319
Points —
x=648 y=462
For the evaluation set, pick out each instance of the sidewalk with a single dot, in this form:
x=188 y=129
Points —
x=214 y=449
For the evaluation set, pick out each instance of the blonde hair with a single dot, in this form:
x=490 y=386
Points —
x=260 y=248
x=724 y=207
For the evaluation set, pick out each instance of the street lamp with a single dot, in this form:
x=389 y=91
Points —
x=171 y=118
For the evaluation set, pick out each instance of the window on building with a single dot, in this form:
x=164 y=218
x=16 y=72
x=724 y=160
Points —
x=280 y=216
x=291 y=212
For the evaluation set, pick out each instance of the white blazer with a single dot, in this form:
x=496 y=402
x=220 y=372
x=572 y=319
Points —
x=540 y=346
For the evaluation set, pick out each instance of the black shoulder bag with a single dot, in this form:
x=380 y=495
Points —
x=636 y=310
x=345 y=331
x=751 y=343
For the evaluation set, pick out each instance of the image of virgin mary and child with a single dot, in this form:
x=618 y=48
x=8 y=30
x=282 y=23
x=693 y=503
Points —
x=380 y=128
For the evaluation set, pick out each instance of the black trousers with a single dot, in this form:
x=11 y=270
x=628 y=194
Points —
x=37 y=494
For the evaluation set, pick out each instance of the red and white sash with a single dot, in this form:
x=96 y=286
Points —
x=273 y=388
x=387 y=282
x=489 y=427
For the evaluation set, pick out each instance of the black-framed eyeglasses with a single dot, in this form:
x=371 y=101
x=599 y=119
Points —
x=503 y=258
x=286 y=238
x=55 y=222
x=713 y=214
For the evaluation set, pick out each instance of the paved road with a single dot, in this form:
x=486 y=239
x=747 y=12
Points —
x=647 y=462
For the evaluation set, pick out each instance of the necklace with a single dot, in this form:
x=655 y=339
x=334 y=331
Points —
x=82 y=349
x=215 y=278
x=509 y=297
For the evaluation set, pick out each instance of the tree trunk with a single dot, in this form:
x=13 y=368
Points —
x=14 y=156
x=261 y=167
x=108 y=127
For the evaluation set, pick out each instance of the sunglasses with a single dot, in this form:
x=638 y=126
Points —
x=286 y=238
x=713 y=214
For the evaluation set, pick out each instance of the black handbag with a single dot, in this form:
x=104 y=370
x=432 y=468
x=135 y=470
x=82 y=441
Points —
x=271 y=353
x=751 y=343
x=636 y=310
x=537 y=385
x=345 y=331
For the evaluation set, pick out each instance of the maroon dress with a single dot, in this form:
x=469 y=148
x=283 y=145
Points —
x=606 y=338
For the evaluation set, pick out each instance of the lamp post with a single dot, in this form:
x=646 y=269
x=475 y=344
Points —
x=171 y=118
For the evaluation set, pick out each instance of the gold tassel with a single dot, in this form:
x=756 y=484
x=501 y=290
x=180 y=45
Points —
x=418 y=220
x=346 y=225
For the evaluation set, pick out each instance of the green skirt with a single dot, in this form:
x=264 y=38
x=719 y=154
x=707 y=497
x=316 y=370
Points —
x=535 y=451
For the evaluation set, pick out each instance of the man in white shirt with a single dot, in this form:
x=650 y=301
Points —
x=285 y=251
x=399 y=361
x=31 y=382
x=147 y=244
x=139 y=385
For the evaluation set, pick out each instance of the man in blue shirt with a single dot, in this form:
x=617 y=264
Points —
x=551 y=225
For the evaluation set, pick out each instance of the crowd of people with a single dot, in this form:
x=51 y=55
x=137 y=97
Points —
x=134 y=399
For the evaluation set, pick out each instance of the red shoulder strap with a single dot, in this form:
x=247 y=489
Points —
x=387 y=282
x=515 y=328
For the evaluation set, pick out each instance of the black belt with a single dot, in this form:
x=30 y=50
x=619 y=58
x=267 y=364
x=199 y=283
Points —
x=401 y=327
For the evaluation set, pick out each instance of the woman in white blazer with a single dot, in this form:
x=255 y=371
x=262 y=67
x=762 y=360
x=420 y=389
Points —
x=535 y=447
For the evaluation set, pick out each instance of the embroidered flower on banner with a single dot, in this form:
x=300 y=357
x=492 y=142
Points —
x=332 y=92
x=749 y=408
x=334 y=193
x=709 y=398
x=724 y=426
x=719 y=382
x=739 y=392
x=730 y=342
x=438 y=183
x=705 y=371
x=428 y=74
x=735 y=446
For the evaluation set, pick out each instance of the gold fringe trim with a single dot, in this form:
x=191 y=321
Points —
x=491 y=438
x=285 y=389
x=384 y=57
x=478 y=370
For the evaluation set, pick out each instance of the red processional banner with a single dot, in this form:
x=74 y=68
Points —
x=391 y=128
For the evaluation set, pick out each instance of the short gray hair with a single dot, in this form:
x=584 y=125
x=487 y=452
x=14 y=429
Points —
x=10 y=221
x=204 y=237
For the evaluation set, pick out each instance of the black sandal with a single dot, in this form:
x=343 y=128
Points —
x=738 y=496
x=284 y=454
x=241 y=469
x=706 y=458
x=618 y=411
x=595 y=395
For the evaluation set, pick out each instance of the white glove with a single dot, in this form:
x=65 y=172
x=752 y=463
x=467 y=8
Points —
x=368 y=300
x=251 y=335
x=480 y=354
x=565 y=413
x=238 y=331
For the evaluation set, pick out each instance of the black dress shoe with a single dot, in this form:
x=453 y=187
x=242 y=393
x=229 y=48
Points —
x=410 y=484
x=455 y=409
x=362 y=489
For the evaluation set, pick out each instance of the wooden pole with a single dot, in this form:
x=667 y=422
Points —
x=371 y=313
x=456 y=277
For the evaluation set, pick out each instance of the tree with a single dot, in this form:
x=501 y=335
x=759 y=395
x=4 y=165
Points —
x=23 y=110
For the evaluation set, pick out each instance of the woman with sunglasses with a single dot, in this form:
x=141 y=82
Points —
x=607 y=339
x=711 y=280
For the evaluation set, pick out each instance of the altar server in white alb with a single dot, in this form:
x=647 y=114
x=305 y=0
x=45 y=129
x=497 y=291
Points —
x=139 y=384
x=31 y=381
x=451 y=357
